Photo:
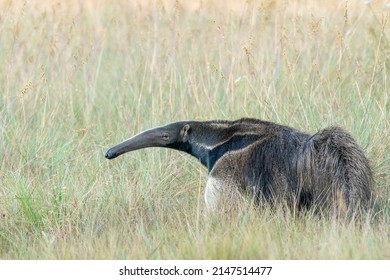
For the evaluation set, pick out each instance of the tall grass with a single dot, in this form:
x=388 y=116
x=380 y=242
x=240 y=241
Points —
x=78 y=76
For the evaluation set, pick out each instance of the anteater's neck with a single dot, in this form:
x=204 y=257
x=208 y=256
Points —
x=209 y=141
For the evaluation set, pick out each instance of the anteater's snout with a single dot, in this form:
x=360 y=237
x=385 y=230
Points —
x=110 y=154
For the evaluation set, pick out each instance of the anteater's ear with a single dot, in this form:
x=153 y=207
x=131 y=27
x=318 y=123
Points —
x=184 y=132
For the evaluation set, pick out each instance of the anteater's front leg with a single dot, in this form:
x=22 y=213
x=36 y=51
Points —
x=225 y=184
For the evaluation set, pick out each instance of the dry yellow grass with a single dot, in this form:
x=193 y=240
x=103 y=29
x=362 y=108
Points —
x=79 y=76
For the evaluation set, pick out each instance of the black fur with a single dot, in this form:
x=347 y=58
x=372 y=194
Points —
x=287 y=165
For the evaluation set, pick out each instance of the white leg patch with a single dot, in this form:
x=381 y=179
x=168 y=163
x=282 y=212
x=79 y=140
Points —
x=213 y=192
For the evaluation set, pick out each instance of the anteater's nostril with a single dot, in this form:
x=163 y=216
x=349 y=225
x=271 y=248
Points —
x=109 y=154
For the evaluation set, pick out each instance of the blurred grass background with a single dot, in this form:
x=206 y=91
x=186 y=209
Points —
x=79 y=76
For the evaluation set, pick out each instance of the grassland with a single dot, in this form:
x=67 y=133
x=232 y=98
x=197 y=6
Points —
x=79 y=76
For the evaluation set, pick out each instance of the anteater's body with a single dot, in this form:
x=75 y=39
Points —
x=326 y=171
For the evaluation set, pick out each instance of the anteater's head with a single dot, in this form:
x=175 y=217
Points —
x=174 y=135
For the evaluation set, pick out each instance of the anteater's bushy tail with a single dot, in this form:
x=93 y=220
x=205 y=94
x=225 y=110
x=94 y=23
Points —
x=336 y=172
